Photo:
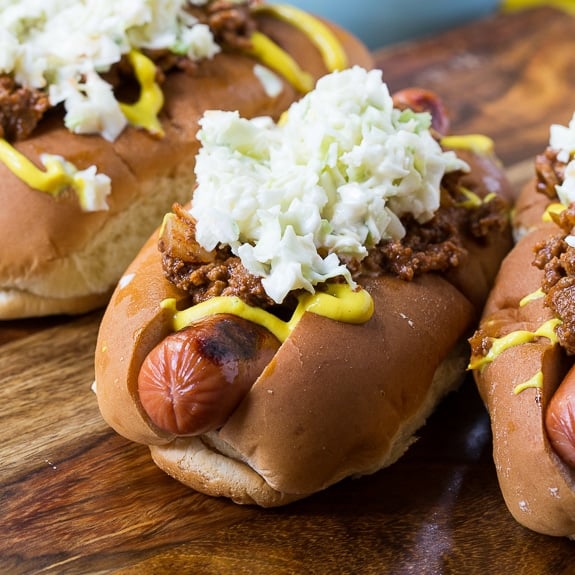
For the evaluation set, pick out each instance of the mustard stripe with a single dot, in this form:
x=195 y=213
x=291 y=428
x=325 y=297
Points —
x=51 y=181
x=144 y=112
x=270 y=54
x=324 y=39
x=478 y=143
x=534 y=382
x=513 y=339
x=340 y=302
x=537 y=294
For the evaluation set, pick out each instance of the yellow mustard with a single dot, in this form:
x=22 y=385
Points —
x=270 y=54
x=514 y=338
x=340 y=302
x=58 y=175
x=514 y=5
x=329 y=46
x=534 y=382
x=554 y=208
x=472 y=200
x=478 y=143
x=52 y=181
x=537 y=294
x=144 y=112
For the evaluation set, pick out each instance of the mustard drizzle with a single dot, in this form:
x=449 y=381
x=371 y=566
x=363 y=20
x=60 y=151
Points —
x=339 y=302
x=270 y=54
x=479 y=143
x=144 y=112
x=53 y=180
x=554 y=208
x=59 y=174
x=324 y=39
x=514 y=338
x=537 y=294
x=472 y=200
x=534 y=382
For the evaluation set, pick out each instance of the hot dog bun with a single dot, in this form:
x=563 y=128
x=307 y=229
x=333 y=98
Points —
x=325 y=373
x=518 y=384
x=57 y=258
x=338 y=399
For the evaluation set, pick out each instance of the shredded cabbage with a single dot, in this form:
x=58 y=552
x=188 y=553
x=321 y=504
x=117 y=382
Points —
x=64 y=45
x=329 y=182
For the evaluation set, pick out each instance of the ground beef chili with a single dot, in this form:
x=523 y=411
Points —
x=434 y=246
x=557 y=260
x=20 y=109
x=549 y=172
x=231 y=25
x=205 y=274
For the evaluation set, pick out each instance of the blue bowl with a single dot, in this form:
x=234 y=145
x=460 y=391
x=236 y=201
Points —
x=382 y=22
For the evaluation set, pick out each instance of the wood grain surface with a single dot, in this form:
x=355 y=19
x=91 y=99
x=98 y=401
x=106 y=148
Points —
x=75 y=498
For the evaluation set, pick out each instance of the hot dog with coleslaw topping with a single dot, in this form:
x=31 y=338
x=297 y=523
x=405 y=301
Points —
x=353 y=236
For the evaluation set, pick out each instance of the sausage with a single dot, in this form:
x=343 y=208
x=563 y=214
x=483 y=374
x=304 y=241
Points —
x=420 y=100
x=194 y=378
x=560 y=419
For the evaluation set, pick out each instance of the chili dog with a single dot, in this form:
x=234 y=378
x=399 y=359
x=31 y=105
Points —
x=99 y=103
x=355 y=236
x=523 y=350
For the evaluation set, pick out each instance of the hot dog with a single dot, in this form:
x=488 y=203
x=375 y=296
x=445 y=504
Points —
x=523 y=351
x=99 y=103
x=193 y=379
x=358 y=241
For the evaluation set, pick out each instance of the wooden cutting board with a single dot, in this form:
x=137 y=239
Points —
x=75 y=498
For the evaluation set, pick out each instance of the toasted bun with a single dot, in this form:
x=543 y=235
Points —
x=537 y=486
x=56 y=258
x=337 y=400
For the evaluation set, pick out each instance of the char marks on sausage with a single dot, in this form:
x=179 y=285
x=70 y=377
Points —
x=193 y=379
